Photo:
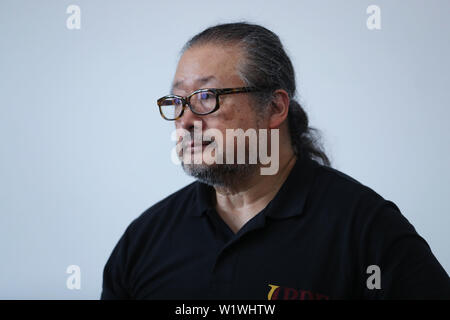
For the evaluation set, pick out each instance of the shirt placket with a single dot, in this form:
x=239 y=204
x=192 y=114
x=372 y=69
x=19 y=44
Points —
x=224 y=268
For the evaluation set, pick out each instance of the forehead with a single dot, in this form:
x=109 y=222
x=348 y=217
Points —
x=209 y=64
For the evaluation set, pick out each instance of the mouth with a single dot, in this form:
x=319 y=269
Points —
x=199 y=143
x=196 y=145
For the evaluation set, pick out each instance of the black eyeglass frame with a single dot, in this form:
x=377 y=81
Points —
x=186 y=100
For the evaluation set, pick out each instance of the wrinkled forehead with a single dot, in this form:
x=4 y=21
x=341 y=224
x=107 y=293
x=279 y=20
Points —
x=208 y=66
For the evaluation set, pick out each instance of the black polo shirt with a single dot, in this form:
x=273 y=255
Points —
x=315 y=240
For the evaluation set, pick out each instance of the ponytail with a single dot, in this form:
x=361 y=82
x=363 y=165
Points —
x=303 y=137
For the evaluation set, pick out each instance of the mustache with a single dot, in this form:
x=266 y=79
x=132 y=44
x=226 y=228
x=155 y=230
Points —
x=188 y=140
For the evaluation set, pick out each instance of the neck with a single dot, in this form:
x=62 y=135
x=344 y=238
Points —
x=240 y=202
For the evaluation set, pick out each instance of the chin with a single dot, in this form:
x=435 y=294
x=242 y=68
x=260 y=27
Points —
x=223 y=175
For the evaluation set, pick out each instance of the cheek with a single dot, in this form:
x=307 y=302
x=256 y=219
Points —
x=227 y=111
x=236 y=113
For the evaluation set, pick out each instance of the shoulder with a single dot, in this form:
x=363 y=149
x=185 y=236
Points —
x=152 y=226
x=338 y=186
x=364 y=211
x=345 y=199
x=164 y=211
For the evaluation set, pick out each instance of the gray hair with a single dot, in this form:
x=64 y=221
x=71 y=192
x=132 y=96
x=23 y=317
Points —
x=268 y=66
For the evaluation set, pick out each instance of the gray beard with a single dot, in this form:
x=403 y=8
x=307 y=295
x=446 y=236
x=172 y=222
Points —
x=220 y=175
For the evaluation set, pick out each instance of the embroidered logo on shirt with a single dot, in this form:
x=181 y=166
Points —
x=285 y=293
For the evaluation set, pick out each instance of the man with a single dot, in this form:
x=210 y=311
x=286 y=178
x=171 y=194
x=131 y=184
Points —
x=304 y=231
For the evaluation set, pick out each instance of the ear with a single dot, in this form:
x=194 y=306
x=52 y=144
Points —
x=279 y=108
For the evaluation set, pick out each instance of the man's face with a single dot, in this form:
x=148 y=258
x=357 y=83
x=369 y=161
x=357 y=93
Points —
x=214 y=66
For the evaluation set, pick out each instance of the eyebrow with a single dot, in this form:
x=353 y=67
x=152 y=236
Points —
x=200 y=81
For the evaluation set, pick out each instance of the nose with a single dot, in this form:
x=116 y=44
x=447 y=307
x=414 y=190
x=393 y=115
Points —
x=187 y=120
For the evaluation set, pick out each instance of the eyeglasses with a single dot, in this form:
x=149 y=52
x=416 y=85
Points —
x=200 y=102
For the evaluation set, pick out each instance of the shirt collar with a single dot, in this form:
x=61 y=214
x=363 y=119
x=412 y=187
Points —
x=291 y=198
x=204 y=195
x=288 y=202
